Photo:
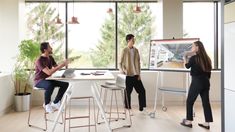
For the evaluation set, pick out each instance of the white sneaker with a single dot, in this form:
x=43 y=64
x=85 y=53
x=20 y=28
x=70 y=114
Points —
x=144 y=112
x=48 y=108
x=131 y=112
x=55 y=106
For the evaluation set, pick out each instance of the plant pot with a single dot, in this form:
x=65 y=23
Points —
x=22 y=102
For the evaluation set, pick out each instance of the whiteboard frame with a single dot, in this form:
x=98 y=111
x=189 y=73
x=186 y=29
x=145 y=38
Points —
x=167 y=41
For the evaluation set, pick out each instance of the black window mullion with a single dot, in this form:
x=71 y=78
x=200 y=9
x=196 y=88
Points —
x=66 y=30
x=116 y=35
x=216 y=35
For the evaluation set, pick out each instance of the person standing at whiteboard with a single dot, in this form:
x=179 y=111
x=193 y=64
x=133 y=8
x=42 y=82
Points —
x=130 y=66
x=200 y=64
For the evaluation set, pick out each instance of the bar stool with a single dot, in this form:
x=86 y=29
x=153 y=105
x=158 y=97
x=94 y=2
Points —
x=69 y=118
x=114 y=87
x=44 y=114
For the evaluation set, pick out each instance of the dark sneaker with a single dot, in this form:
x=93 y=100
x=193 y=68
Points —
x=206 y=127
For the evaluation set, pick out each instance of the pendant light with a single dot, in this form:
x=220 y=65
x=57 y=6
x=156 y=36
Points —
x=110 y=10
x=137 y=8
x=58 y=20
x=74 y=20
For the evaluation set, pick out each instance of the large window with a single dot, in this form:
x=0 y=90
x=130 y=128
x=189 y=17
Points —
x=100 y=36
x=142 y=25
x=94 y=37
x=41 y=26
x=198 y=22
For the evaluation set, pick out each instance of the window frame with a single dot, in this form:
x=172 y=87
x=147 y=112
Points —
x=216 y=31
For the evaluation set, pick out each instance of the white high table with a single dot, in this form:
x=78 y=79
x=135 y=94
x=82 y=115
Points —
x=93 y=79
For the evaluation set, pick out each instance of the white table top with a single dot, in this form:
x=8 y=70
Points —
x=89 y=75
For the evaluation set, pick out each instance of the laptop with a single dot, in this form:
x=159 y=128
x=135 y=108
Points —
x=67 y=73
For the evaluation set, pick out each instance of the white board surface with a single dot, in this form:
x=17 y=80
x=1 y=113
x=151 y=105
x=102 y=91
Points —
x=229 y=56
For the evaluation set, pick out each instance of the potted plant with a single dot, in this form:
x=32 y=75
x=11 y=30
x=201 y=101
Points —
x=23 y=73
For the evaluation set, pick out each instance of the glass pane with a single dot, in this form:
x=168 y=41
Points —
x=41 y=26
x=94 y=38
x=198 y=19
x=219 y=35
x=142 y=25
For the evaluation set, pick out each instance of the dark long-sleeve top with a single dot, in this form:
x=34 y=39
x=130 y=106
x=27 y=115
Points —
x=41 y=63
x=196 y=70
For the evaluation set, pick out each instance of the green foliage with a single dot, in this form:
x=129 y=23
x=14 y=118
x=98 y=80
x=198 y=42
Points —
x=103 y=55
x=23 y=70
x=20 y=78
x=29 y=50
x=139 y=24
x=41 y=26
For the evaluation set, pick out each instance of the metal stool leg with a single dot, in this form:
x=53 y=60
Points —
x=88 y=116
x=29 y=116
x=111 y=112
x=116 y=105
x=44 y=115
x=94 y=114
x=128 y=108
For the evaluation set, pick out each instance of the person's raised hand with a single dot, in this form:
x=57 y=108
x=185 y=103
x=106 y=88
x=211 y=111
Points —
x=189 y=53
x=66 y=62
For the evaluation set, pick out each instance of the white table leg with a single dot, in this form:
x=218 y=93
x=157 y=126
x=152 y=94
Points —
x=96 y=95
x=63 y=103
x=152 y=114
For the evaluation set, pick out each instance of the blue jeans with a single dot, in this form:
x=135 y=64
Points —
x=49 y=86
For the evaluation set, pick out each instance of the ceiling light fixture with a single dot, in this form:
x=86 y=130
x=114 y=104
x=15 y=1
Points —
x=58 y=20
x=137 y=8
x=74 y=20
x=110 y=10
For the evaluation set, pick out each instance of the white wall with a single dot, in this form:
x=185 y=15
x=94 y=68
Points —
x=149 y=78
x=174 y=79
x=9 y=33
x=172 y=18
x=6 y=93
x=228 y=13
x=9 y=39
x=229 y=83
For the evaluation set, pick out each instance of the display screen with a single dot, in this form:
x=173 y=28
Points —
x=168 y=54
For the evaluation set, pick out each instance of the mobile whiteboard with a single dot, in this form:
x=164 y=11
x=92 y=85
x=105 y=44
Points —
x=168 y=53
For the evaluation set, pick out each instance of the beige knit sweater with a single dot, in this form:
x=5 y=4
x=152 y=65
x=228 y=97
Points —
x=125 y=62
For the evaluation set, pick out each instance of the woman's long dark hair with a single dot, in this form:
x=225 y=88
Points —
x=202 y=58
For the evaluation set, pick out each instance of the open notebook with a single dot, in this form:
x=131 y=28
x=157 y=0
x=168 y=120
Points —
x=67 y=73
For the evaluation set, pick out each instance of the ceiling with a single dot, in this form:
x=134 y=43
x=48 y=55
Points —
x=119 y=0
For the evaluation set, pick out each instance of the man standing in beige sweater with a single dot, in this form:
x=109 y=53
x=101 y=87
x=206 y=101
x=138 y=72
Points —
x=130 y=66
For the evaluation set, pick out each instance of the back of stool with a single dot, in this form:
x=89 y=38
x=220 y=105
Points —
x=121 y=80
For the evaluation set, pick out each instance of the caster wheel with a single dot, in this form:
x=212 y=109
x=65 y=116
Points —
x=164 y=108
x=152 y=115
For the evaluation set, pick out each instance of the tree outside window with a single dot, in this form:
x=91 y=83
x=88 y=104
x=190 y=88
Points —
x=95 y=37
x=41 y=27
